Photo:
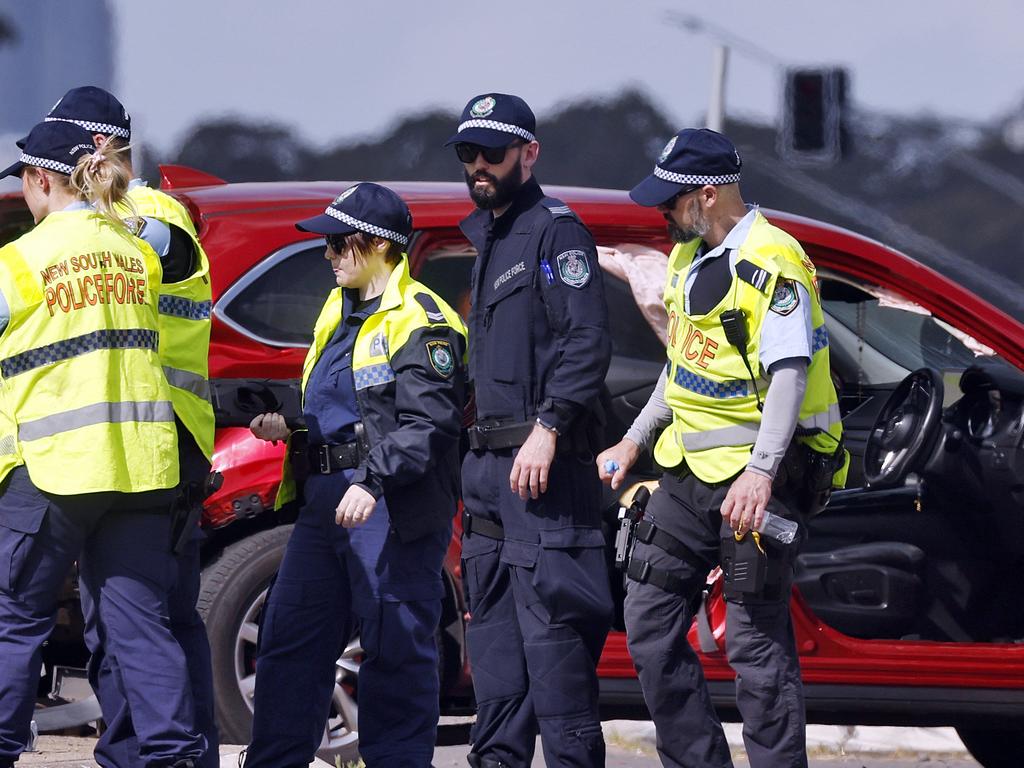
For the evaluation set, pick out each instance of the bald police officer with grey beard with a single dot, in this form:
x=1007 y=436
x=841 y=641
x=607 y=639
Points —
x=533 y=551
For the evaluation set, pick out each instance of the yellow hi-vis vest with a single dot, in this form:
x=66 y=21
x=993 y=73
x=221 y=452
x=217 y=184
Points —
x=380 y=337
x=79 y=367
x=184 y=323
x=715 y=419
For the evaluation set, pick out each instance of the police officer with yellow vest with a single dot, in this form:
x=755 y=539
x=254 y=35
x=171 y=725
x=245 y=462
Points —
x=89 y=455
x=184 y=324
x=748 y=367
x=383 y=389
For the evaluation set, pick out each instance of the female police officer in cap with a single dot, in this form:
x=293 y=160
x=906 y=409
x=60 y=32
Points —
x=87 y=442
x=382 y=400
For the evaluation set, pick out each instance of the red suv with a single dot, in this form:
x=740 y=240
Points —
x=906 y=607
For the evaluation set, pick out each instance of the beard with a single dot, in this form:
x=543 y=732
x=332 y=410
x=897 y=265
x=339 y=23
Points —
x=501 y=192
x=699 y=228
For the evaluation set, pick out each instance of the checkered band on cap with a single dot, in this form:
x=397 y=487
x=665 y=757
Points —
x=687 y=178
x=364 y=226
x=494 y=125
x=92 y=127
x=45 y=162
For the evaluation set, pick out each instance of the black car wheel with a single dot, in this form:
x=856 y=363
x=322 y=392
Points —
x=993 y=748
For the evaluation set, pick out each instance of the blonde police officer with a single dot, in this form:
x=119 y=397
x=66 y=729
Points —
x=744 y=319
x=184 y=324
x=89 y=472
x=383 y=388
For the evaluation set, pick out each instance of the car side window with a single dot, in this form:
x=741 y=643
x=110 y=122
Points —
x=278 y=301
x=877 y=338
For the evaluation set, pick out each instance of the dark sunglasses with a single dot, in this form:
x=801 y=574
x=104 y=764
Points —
x=671 y=202
x=492 y=155
x=336 y=242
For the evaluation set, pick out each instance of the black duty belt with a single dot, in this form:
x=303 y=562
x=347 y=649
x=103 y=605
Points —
x=498 y=435
x=481 y=526
x=325 y=459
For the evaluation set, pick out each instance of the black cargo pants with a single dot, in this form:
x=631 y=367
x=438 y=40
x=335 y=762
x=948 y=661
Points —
x=759 y=640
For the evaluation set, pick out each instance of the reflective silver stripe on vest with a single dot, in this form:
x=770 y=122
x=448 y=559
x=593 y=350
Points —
x=97 y=413
x=823 y=420
x=176 y=306
x=127 y=338
x=188 y=381
x=737 y=434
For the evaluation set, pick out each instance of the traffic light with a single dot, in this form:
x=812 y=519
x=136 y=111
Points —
x=813 y=127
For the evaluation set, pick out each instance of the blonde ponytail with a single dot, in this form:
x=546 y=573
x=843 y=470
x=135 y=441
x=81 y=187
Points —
x=102 y=178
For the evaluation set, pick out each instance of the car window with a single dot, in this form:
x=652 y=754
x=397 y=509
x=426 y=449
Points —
x=877 y=338
x=278 y=301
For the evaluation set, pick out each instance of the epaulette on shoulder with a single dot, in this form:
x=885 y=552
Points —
x=753 y=274
x=557 y=208
x=434 y=313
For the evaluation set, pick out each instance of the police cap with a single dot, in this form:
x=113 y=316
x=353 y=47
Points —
x=495 y=120
x=692 y=158
x=364 y=207
x=95 y=110
x=54 y=146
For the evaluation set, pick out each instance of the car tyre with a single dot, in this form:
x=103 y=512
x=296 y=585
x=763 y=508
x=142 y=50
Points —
x=232 y=590
x=993 y=748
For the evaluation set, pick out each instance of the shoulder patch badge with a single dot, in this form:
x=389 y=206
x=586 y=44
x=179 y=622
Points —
x=441 y=357
x=136 y=225
x=786 y=298
x=573 y=268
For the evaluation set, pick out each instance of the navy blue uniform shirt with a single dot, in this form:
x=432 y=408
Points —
x=538 y=327
x=330 y=407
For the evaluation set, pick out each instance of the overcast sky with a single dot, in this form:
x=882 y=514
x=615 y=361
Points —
x=338 y=70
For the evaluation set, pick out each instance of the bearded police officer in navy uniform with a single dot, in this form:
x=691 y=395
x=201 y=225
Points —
x=533 y=558
x=744 y=317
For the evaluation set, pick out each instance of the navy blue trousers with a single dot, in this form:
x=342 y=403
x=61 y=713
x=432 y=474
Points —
x=334 y=581
x=541 y=610
x=118 y=745
x=122 y=542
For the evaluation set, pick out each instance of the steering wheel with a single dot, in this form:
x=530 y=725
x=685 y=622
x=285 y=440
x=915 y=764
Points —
x=905 y=430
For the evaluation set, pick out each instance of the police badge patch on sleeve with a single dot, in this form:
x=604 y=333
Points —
x=441 y=357
x=786 y=298
x=573 y=268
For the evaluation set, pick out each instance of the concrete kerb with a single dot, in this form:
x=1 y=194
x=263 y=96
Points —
x=821 y=739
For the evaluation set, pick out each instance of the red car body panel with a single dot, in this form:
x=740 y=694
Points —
x=241 y=224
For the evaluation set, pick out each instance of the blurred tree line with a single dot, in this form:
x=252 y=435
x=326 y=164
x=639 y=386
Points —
x=950 y=195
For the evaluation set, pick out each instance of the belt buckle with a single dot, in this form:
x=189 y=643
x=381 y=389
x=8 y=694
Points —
x=324 y=458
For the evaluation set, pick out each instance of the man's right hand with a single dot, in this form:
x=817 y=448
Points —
x=613 y=463
x=270 y=427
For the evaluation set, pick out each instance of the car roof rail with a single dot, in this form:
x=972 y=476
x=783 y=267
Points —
x=182 y=177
